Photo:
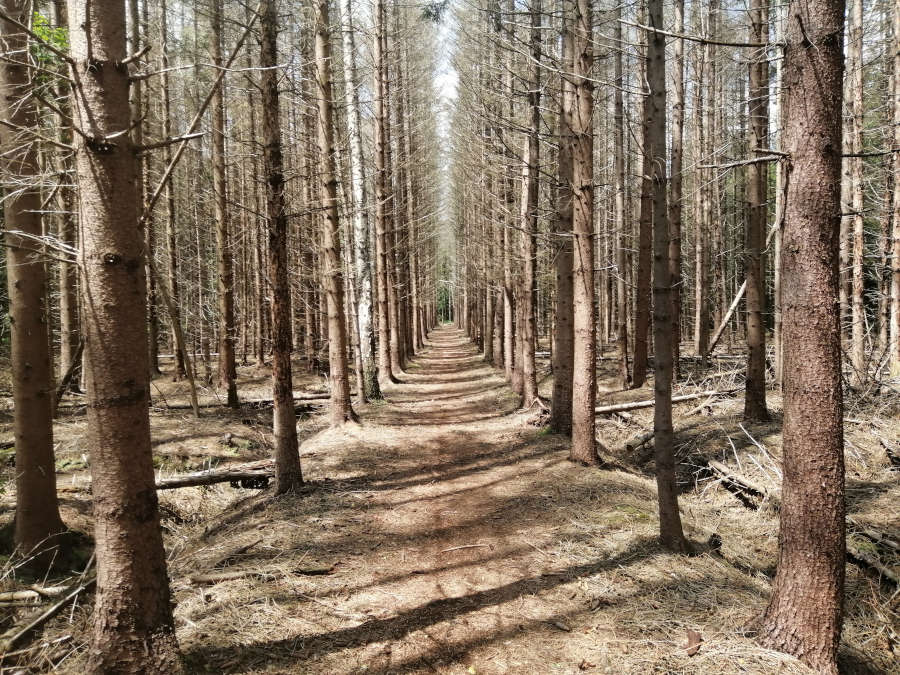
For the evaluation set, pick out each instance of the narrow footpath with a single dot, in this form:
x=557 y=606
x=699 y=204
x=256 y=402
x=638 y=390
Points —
x=461 y=541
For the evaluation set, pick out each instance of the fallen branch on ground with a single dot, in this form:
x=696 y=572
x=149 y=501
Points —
x=219 y=577
x=264 y=469
x=634 y=405
x=14 y=635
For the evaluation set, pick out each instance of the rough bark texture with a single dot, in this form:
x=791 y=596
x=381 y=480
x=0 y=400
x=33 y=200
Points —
x=225 y=278
x=563 y=345
x=358 y=191
x=858 y=318
x=675 y=187
x=69 y=333
x=619 y=216
x=287 y=457
x=804 y=614
x=37 y=510
x=670 y=532
x=645 y=246
x=895 y=262
x=382 y=194
x=530 y=210
x=755 y=234
x=171 y=234
x=584 y=388
x=333 y=281
x=133 y=627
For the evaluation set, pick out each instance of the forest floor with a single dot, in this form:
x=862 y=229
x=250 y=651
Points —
x=448 y=533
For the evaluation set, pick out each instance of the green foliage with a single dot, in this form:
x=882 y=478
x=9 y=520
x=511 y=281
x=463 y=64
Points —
x=434 y=10
x=50 y=36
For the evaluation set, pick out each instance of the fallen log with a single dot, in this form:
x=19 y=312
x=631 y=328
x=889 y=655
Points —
x=857 y=555
x=738 y=479
x=32 y=594
x=634 y=405
x=256 y=471
x=219 y=577
x=298 y=398
x=14 y=635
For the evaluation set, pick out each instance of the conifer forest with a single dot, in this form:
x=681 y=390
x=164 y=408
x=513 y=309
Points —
x=469 y=337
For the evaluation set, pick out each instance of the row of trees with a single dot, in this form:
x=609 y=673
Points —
x=225 y=173
x=712 y=193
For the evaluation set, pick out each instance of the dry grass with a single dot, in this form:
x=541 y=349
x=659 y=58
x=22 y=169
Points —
x=463 y=541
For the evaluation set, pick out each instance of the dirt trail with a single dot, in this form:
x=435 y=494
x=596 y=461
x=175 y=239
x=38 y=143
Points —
x=463 y=542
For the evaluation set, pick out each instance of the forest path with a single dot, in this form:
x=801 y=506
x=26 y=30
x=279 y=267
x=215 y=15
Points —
x=463 y=542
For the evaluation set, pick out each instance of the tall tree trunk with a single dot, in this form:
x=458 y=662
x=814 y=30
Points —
x=858 y=317
x=333 y=278
x=645 y=245
x=133 y=627
x=359 y=206
x=584 y=381
x=171 y=234
x=69 y=334
x=804 y=614
x=670 y=532
x=563 y=346
x=383 y=192
x=895 y=257
x=287 y=457
x=37 y=510
x=227 y=369
x=755 y=235
x=675 y=188
x=619 y=215
x=530 y=211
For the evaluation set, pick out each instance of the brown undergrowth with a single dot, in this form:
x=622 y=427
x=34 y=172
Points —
x=460 y=540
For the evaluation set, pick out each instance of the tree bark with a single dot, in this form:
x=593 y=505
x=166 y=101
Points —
x=359 y=206
x=895 y=258
x=563 y=347
x=670 y=532
x=858 y=317
x=804 y=614
x=754 y=242
x=37 y=516
x=675 y=188
x=620 y=217
x=133 y=627
x=225 y=277
x=530 y=210
x=584 y=380
x=171 y=234
x=287 y=458
x=333 y=279
x=382 y=195
x=645 y=246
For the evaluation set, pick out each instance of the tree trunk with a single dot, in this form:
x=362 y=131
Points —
x=584 y=387
x=620 y=218
x=858 y=317
x=333 y=278
x=37 y=516
x=563 y=346
x=171 y=234
x=755 y=235
x=227 y=369
x=670 y=532
x=895 y=258
x=383 y=191
x=675 y=188
x=645 y=245
x=287 y=458
x=133 y=627
x=530 y=211
x=804 y=614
